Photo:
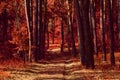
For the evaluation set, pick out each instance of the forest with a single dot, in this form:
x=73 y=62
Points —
x=59 y=39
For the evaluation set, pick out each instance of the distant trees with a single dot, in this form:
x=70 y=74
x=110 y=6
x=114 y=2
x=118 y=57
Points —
x=87 y=25
x=83 y=17
x=97 y=24
x=37 y=32
x=8 y=44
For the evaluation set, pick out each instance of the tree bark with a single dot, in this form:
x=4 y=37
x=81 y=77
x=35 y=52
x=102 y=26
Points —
x=82 y=52
x=62 y=36
x=111 y=31
x=27 y=8
x=41 y=37
x=89 y=48
x=118 y=1
x=102 y=12
x=70 y=25
x=35 y=36
x=93 y=25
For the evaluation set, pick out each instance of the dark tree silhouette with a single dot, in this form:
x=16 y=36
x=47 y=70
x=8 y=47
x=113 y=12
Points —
x=103 y=29
x=111 y=31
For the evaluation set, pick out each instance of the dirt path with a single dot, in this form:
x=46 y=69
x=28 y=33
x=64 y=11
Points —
x=60 y=71
x=60 y=67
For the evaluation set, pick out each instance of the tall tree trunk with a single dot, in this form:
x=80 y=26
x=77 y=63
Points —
x=102 y=12
x=93 y=24
x=89 y=48
x=111 y=29
x=80 y=32
x=68 y=37
x=70 y=25
x=43 y=30
x=118 y=1
x=72 y=38
x=27 y=10
x=62 y=36
x=40 y=32
x=35 y=36
x=68 y=28
x=32 y=25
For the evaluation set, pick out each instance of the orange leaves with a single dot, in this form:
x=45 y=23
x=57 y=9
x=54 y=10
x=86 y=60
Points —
x=2 y=5
x=51 y=2
x=4 y=74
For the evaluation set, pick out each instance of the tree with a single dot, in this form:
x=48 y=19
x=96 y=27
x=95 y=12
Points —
x=88 y=35
x=41 y=37
x=102 y=12
x=80 y=32
x=27 y=11
x=62 y=35
x=93 y=24
x=111 y=31
x=35 y=34
x=70 y=27
x=118 y=2
x=45 y=20
x=85 y=35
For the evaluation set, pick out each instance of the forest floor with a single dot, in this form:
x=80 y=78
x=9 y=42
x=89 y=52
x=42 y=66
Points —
x=58 y=66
